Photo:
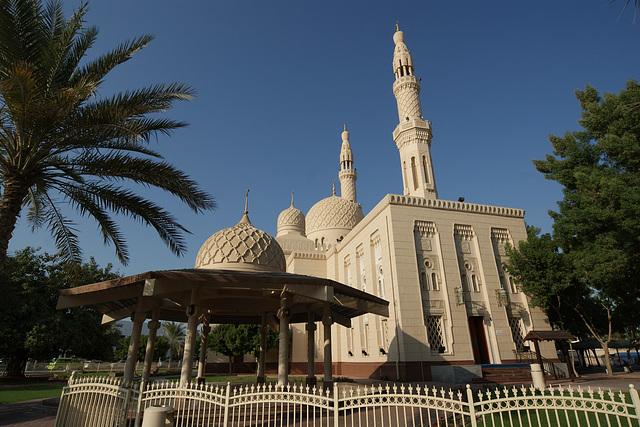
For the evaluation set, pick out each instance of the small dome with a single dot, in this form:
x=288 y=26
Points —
x=333 y=212
x=398 y=37
x=291 y=219
x=241 y=247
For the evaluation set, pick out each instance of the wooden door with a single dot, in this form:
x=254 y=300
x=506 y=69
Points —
x=478 y=340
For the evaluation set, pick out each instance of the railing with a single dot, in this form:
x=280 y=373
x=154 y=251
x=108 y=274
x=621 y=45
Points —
x=548 y=366
x=105 y=402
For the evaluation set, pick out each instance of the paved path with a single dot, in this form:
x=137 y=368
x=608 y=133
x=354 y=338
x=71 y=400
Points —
x=34 y=414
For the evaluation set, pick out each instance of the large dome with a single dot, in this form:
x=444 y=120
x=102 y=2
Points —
x=241 y=247
x=333 y=213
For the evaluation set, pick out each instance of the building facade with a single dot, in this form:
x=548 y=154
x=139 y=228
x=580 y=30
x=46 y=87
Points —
x=438 y=263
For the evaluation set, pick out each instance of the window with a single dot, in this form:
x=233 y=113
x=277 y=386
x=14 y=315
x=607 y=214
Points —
x=434 y=282
x=414 y=173
x=516 y=332
x=423 y=281
x=474 y=282
x=435 y=334
x=424 y=166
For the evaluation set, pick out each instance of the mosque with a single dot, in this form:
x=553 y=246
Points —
x=437 y=262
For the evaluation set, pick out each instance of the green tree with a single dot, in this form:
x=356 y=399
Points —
x=160 y=348
x=60 y=142
x=175 y=335
x=231 y=340
x=30 y=325
x=597 y=225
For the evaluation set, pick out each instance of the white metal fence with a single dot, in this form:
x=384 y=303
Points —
x=107 y=402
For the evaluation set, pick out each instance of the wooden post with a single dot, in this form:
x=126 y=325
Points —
x=283 y=346
x=311 y=328
x=153 y=326
x=263 y=350
x=327 y=321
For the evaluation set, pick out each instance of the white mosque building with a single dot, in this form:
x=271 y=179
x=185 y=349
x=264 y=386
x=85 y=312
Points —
x=437 y=262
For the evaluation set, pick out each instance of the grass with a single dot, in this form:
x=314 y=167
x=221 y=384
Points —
x=30 y=392
x=576 y=419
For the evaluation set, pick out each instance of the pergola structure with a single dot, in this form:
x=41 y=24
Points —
x=217 y=296
x=562 y=336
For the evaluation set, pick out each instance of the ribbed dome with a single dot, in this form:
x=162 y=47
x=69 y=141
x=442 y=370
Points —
x=333 y=212
x=241 y=247
x=291 y=219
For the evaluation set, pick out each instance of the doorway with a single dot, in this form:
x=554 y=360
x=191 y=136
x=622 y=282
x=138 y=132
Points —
x=478 y=340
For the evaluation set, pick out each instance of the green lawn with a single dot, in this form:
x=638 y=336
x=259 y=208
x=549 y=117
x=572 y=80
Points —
x=507 y=419
x=30 y=392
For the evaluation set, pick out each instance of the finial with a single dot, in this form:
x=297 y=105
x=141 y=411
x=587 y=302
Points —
x=291 y=198
x=397 y=27
x=345 y=126
x=334 y=187
x=246 y=202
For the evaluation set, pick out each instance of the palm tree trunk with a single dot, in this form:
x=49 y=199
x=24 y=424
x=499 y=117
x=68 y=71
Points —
x=10 y=205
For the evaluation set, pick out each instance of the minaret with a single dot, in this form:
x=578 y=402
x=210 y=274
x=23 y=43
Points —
x=347 y=174
x=413 y=134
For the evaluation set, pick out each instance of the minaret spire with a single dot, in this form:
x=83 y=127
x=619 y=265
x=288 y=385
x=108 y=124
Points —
x=245 y=217
x=347 y=174
x=413 y=134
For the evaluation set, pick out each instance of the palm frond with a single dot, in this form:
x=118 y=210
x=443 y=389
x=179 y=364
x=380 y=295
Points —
x=62 y=229
x=97 y=69
x=163 y=175
x=125 y=202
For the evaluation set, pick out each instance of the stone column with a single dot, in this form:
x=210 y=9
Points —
x=204 y=338
x=263 y=350
x=153 y=326
x=283 y=346
x=132 y=355
x=190 y=339
x=327 y=321
x=311 y=327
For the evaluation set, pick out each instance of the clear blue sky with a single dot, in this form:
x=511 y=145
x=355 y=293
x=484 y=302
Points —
x=276 y=81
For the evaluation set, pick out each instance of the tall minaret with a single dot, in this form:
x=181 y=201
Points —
x=347 y=174
x=413 y=134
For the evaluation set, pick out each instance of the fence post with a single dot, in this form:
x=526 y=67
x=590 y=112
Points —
x=125 y=405
x=635 y=399
x=225 y=423
x=336 y=404
x=472 y=406
x=143 y=387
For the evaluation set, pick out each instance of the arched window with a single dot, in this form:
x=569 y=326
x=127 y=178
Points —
x=476 y=285
x=423 y=281
x=434 y=282
x=414 y=172
x=465 y=285
x=424 y=166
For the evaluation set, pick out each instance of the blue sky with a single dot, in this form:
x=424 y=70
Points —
x=277 y=80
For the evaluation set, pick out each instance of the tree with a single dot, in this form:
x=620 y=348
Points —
x=160 y=348
x=59 y=141
x=175 y=336
x=30 y=325
x=597 y=225
x=231 y=340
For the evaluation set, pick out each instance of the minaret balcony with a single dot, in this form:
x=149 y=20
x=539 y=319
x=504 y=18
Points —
x=411 y=123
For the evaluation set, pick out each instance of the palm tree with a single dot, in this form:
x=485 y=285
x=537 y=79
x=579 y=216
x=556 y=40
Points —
x=175 y=334
x=60 y=142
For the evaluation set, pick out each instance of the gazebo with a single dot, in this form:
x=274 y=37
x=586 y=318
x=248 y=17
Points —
x=562 y=336
x=239 y=278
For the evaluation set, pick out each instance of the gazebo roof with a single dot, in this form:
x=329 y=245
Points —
x=548 y=335
x=230 y=296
